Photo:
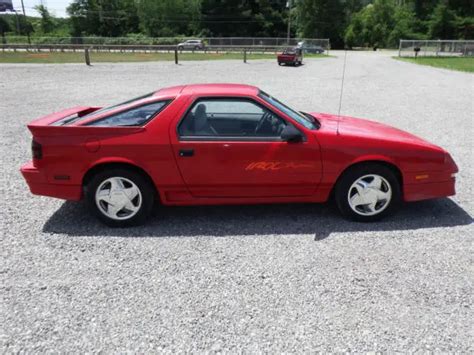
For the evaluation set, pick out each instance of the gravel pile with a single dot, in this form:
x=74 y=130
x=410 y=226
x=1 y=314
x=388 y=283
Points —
x=256 y=278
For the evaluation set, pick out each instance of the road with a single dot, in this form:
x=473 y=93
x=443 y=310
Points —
x=282 y=278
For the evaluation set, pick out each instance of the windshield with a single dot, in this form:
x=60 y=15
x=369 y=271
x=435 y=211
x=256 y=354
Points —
x=307 y=121
x=106 y=109
x=289 y=51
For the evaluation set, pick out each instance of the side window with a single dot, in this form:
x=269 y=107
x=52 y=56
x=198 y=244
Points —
x=136 y=116
x=230 y=118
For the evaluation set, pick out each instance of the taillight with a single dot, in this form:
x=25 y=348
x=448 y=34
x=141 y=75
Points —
x=36 y=149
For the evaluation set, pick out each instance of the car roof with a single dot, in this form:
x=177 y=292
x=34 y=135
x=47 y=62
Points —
x=208 y=89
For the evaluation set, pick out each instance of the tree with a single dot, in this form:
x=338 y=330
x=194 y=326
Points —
x=322 y=19
x=442 y=24
x=47 y=24
x=25 y=26
x=382 y=24
x=4 y=28
x=466 y=27
x=405 y=25
x=250 y=18
x=169 y=17
x=110 y=18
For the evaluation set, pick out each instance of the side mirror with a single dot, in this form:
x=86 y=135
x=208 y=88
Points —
x=291 y=134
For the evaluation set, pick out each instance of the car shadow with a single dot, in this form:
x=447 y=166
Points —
x=292 y=66
x=321 y=220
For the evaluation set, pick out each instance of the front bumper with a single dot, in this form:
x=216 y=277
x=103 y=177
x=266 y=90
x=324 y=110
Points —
x=425 y=191
x=39 y=185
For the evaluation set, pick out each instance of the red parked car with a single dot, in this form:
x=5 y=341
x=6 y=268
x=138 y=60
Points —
x=291 y=55
x=228 y=144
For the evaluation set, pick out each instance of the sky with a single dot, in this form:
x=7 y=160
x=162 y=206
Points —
x=57 y=7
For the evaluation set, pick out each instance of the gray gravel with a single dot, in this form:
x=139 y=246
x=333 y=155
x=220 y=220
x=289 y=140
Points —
x=255 y=278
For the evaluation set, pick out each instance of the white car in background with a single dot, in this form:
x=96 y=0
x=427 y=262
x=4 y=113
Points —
x=194 y=44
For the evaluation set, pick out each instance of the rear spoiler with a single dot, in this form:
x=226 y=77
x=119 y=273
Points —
x=45 y=126
x=56 y=116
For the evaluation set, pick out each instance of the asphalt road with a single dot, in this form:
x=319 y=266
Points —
x=255 y=278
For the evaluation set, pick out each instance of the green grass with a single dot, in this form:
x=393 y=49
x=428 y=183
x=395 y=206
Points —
x=97 y=57
x=454 y=63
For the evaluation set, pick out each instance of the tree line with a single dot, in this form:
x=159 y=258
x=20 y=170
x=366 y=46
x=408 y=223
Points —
x=350 y=23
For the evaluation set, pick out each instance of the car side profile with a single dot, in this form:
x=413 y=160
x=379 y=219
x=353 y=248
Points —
x=310 y=48
x=228 y=144
x=192 y=44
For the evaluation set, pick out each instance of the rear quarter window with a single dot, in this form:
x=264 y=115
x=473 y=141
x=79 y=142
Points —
x=137 y=116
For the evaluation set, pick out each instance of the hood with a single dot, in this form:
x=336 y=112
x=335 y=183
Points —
x=357 y=127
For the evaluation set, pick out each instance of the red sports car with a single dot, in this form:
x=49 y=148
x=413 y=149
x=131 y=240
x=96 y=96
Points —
x=228 y=144
x=291 y=55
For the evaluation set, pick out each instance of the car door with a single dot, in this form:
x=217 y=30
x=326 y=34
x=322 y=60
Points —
x=231 y=147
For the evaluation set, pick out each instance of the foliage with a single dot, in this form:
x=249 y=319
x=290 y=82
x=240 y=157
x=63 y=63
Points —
x=322 y=19
x=354 y=23
x=4 y=28
x=47 y=23
x=442 y=23
x=166 y=18
x=109 y=18
x=252 y=18
x=384 y=22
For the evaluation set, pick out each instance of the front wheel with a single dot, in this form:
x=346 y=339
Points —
x=368 y=193
x=120 y=197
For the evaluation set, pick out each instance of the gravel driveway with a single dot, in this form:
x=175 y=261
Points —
x=256 y=278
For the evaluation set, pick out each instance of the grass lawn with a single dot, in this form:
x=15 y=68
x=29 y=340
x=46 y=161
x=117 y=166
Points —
x=453 y=63
x=96 y=57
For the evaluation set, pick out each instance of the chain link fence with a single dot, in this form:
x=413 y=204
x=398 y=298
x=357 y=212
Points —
x=142 y=40
x=435 y=48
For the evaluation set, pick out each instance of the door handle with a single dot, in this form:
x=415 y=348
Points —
x=186 y=152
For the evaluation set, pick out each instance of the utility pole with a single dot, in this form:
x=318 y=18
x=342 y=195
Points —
x=288 y=5
x=17 y=22
x=26 y=21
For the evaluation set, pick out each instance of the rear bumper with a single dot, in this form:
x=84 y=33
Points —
x=39 y=185
x=417 y=192
x=286 y=60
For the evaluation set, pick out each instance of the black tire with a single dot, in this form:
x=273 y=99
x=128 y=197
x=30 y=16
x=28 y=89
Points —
x=180 y=48
x=343 y=185
x=147 y=192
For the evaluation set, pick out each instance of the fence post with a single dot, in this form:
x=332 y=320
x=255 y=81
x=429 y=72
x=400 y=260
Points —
x=245 y=56
x=400 y=48
x=176 y=56
x=87 y=57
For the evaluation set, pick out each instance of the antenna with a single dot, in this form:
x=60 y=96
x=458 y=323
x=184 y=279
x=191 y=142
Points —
x=342 y=90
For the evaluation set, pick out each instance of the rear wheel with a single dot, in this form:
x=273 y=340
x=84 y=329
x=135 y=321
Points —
x=120 y=197
x=368 y=193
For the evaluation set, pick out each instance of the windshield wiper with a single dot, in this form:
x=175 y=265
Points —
x=308 y=117
x=311 y=118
